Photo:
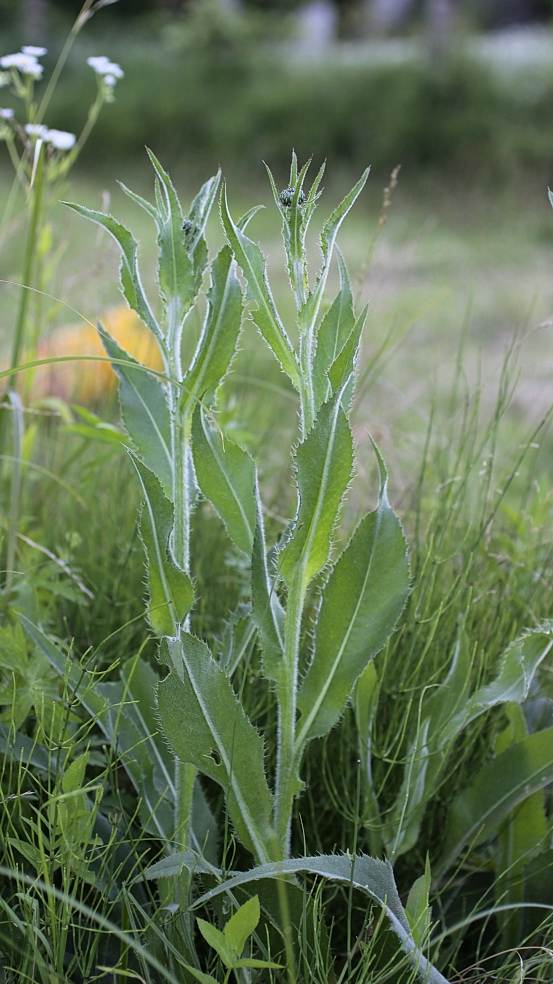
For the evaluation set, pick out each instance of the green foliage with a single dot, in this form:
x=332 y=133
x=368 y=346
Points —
x=250 y=101
x=345 y=702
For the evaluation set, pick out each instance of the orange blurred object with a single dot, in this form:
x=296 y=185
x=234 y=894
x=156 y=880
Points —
x=90 y=383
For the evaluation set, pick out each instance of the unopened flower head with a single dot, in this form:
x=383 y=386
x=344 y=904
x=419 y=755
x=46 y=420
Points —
x=24 y=62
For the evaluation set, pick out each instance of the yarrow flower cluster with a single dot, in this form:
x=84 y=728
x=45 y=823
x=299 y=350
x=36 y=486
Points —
x=20 y=71
x=58 y=139
x=25 y=61
x=109 y=72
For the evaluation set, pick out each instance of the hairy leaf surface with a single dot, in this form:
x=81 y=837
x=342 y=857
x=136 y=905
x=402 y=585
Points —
x=361 y=603
x=324 y=462
x=171 y=591
x=267 y=611
x=252 y=262
x=205 y=724
x=176 y=275
x=145 y=413
x=226 y=476
x=372 y=877
x=220 y=332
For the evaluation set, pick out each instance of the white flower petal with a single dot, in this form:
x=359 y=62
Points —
x=27 y=64
x=60 y=139
x=36 y=129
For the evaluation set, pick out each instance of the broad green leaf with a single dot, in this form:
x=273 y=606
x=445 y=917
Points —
x=323 y=461
x=218 y=942
x=372 y=877
x=171 y=591
x=73 y=776
x=361 y=603
x=173 y=866
x=252 y=262
x=230 y=942
x=20 y=748
x=309 y=312
x=205 y=725
x=226 y=476
x=177 y=279
x=145 y=412
x=419 y=912
x=130 y=275
x=499 y=787
x=335 y=328
x=242 y=924
x=220 y=332
x=267 y=612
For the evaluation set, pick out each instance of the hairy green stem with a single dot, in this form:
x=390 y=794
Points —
x=306 y=392
x=286 y=785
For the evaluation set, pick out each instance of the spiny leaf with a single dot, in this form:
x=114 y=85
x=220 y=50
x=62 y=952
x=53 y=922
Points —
x=130 y=275
x=226 y=476
x=334 y=330
x=206 y=725
x=252 y=262
x=177 y=279
x=144 y=410
x=372 y=877
x=220 y=332
x=171 y=591
x=309 y=313
x=267 y=611
x=361 y=603
x=324 y=462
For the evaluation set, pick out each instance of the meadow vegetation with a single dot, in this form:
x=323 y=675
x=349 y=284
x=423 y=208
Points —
x=275 y=652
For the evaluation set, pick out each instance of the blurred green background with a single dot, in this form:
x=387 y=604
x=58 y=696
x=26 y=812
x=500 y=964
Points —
x=457 y=92
x=462 y=88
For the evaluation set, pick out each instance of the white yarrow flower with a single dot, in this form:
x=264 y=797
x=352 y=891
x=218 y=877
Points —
x=97 y=62
x=6 y=114
x=36 y=130
x=24 y=63
x=30 y=49
x=60 y=139
x=103 y=66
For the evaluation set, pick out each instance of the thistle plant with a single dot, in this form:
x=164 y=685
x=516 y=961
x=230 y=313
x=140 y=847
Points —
x=357 y=592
